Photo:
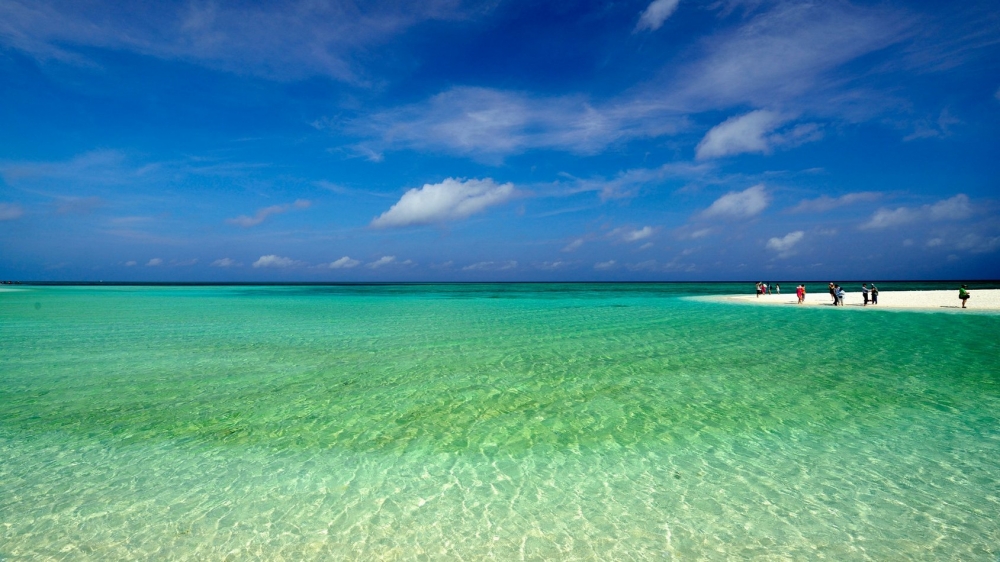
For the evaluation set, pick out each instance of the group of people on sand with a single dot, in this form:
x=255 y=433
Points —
x=765 y=288
x=837 y=293
x=869 y=293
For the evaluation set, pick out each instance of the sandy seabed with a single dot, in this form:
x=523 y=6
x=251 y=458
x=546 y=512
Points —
x=980 y=299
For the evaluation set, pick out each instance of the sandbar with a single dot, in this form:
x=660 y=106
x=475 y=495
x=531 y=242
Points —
x=981 y=299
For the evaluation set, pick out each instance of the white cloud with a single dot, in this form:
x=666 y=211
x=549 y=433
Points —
x=787 y=52
x=610 y=264
x=636 y=235
x=655 y=14
x=739 y=204
x=225 y=262
x=736 y=135
x=553 y=265
x=491 y=266
x=978 y=244
x=753 y=132
x=154 y=262
x=284 y=40
x=381 y=262
x=785 y=244
x=954 y=208
x=344 y=263
x=131 y=263
x=574 y=245
x=939 y=128
x=10 y=211
x=825 y=203
x=934 y=242
x=272 y=260
x=488 y=124
x=449 y=200
x=997 y=94
x=262 y=214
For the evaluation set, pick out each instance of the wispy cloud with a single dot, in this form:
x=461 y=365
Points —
x=952 y=209
x=489 y=124
x=739 y=204
x=154 y=262
x=754 y=132
x=655 y=14
x=936 y=128
x=605 y=265
x=785 y=52
x=825 y=203
x=262 y=214
x=10 y=211
x=226 y=262
x=491 y=266
x=286 y=40
x=450 y=200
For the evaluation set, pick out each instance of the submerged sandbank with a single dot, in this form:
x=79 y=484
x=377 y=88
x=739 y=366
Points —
x=981 y=299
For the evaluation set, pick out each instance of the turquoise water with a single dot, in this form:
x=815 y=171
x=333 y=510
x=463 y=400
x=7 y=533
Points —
x=617 y=422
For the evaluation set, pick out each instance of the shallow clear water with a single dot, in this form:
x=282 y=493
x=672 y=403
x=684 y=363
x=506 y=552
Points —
x=509 y=421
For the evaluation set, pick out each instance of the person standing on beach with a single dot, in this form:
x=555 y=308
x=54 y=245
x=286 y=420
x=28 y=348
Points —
x=840 y=295
x=963 y=294
x=874 y=294
x=777 y=288
x=833 y=293
x=864 y=293
x=800 y=292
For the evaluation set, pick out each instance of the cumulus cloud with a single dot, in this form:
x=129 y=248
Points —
x=754 y=132
x=272 y=260
x=262 y=214
x=381 y=262
x=785 y=244
x=452 y=199
x=655 y=14
x=739 y=204
x=344 y=263
x=491 y=266
x=225 y=262
x=954 y=208
x=154 y=262
x=131 y=263
x=825 y=203
x=10 y=211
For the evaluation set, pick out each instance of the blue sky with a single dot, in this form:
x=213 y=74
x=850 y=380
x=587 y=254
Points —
x=505 y=140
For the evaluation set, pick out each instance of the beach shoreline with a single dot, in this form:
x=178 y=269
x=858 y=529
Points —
x=982 y=299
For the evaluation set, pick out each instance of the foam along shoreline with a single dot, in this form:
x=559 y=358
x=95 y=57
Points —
x=981 y=299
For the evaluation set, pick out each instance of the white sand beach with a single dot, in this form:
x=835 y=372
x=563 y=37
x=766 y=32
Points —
x=981 y=299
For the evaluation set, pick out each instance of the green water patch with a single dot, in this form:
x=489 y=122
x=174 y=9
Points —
x=472 y=375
